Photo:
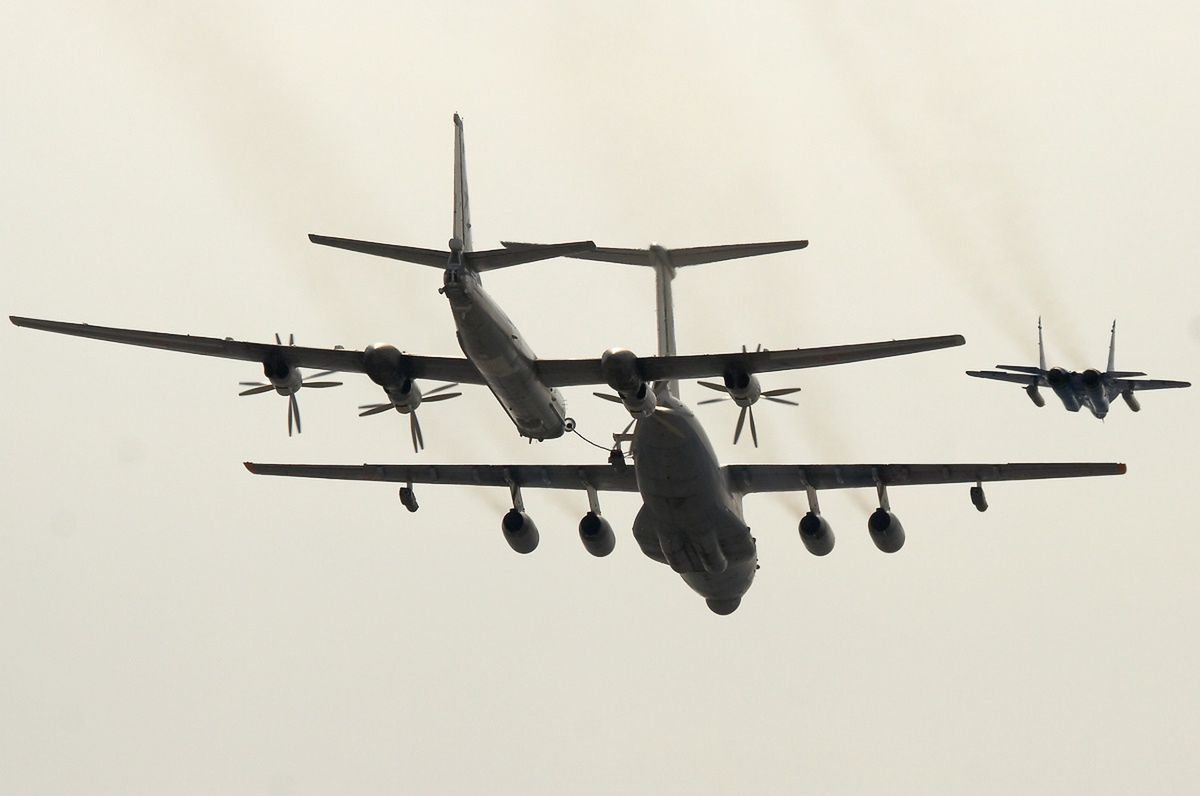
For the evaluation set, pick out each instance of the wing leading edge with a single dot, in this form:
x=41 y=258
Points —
x=338 y=359
x=573 y=372
x=749 y=478
x=742 y=478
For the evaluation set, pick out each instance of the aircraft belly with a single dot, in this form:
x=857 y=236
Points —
x=488 y=339
x=689 y=519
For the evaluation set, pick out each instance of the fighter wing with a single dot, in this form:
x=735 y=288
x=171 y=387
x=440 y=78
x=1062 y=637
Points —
x=571 y=372
x=1015 y=378
x=1148 y=384
x=604 y=477
x=338 y=359
x=747 y=478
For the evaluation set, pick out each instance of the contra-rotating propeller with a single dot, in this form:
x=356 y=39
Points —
x=286 y=380
x=743 y=390
x=409 y=407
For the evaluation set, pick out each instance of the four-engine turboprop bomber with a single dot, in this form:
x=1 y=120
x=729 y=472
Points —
x=522 y=384
x=1092 y=388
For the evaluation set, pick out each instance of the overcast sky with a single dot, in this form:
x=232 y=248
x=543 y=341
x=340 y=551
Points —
x=172 y=624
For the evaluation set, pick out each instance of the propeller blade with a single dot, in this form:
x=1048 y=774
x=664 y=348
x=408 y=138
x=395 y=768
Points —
x=443 y=397
x=784 y=391
x=414 y=426
x=711 y=401
x=289 y=411
x=256 y=390
x=291 y=339
x=277 y=340
x=781 y=400
x=437 y=390
x=753 y=430
x=319 y=384
x=295 y=410
x=320 y=374
x=737 y=432
x=614 y=398
x=251 y=383
x=374 y=409
x=711 y=386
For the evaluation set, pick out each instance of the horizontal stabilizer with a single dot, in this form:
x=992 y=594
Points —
x=503 y=258
x=1015 y=378
x=1022 y=369
x=695 y=255
x=409 y=254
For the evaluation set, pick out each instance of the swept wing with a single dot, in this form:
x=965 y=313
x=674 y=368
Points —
x=742 y=478
x=338 y=359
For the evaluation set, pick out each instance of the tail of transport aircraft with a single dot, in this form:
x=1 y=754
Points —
x=460 y=252
x=665 y=262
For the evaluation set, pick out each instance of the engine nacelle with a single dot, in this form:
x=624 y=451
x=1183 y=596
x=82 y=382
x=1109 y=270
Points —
x=520 y=531
x=1060 y=381
x=816 y=534
x=1131 y=400
x=886 y=531
x=597 y=535
x=384 y=364
x=642 y=402
x=619 y=368
x=1035 y=396
x=978 y=499
x=743 y=387
x=1093 y=385
x=282 y=376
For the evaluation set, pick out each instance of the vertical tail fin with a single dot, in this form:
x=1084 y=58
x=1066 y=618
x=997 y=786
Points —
x=1112 y=348
x=664 y=273
x=1041 y=346
x=462 y=207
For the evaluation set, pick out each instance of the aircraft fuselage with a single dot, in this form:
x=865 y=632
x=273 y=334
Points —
x=493 y=344
x=1090 y=389
x=690 y=518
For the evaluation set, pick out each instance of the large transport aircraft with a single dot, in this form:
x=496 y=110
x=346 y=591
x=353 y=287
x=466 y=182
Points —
x=691 y=516
x=1093 y=389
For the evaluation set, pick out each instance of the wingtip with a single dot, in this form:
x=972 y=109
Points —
x=250 y=466
x=1121 y=469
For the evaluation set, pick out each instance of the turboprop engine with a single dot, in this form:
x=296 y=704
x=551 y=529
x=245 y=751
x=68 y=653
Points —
x=283 y=377
x=742 y=387
x=619 y=366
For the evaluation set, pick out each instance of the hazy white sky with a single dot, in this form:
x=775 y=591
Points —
x=172 y=624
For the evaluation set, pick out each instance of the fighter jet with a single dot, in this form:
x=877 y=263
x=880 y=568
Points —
x=1092 y=389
